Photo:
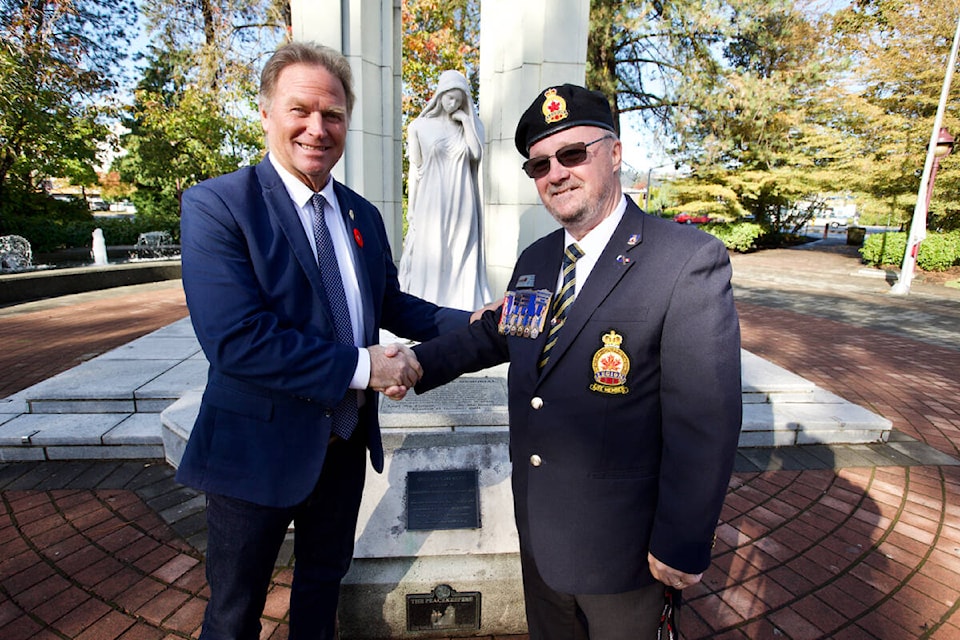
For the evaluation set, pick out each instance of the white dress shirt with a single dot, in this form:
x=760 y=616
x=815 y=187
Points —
x=302 y=195
x=592 y=245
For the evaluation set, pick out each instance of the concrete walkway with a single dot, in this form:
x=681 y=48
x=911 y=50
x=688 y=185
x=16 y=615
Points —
x=859 y=541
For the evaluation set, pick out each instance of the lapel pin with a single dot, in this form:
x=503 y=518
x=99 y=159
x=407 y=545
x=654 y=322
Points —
x=622 y=259
x=351 y=214
x=634 y=239
x=357 y=237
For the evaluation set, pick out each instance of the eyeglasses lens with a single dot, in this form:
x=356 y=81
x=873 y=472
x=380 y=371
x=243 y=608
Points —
x=568 y=156
x=572 y=155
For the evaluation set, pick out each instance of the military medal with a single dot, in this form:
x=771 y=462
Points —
x=524 y=313
x=610 y=365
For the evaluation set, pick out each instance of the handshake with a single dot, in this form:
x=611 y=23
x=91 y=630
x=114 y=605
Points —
x=394 y=369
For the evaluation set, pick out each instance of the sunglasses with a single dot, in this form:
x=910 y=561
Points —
x=568 y=156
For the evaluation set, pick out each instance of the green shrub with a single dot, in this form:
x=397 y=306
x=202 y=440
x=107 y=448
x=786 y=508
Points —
x=736 y=236
x=48 y=234
x=880 y=249
x=156 y=205
x=16 y=203
x=938 y=251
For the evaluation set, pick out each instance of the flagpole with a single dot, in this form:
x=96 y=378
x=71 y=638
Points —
x=918 y=225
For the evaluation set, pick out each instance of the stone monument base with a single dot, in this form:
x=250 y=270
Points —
x=390 y=591
x=374 y=598
x=437 y=552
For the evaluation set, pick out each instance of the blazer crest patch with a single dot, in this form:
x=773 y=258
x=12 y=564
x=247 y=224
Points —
x=610 y=365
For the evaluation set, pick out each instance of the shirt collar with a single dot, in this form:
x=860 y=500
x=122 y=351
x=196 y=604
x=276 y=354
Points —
x=597 y=238
x=299 y=192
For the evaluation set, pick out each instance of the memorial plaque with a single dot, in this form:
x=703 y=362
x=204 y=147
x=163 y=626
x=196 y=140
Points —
x=442 y=610
x=448 y=499
x=467 y=401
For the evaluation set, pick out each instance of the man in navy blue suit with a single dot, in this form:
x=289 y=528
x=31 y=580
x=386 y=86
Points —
x=624 y=386
x=289 y=278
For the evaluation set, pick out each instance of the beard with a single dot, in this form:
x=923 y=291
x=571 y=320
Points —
x=571 y=213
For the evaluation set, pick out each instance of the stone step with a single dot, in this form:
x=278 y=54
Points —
x=140 y=401
x=143 y=376
x=80 y=436
x=786 y=424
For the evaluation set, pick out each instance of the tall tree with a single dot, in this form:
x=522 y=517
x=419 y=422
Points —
x=765 y=130
x=58 y=61
x=226 y=39
x=902 y=49
x=437 y=35
x=181 y=133
x=194 y=114
x=640 y=50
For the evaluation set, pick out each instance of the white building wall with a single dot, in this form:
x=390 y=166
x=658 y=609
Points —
x=368 y=34
x=525 y=47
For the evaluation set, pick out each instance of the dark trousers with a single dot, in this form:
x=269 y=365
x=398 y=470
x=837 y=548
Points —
x=244 y=540
x=552 y=615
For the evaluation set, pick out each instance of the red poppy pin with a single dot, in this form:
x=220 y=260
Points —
x=358 y=238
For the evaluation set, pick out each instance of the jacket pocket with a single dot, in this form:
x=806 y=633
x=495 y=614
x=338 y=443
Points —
x=243 y=403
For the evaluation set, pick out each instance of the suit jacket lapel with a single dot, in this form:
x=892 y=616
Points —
x=613 y=264
x=359 y=229
x=281 y=208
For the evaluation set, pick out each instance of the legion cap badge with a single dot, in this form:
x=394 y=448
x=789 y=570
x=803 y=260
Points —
x=558 y=108
x=554 y=107
x=610 y=365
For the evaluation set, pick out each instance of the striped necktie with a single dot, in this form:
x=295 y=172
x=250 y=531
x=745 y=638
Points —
x=564 y=298
x=345 y=414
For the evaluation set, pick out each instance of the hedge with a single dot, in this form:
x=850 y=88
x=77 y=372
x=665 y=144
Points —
x=736 y=236
x=938 y=251
x=46 y=234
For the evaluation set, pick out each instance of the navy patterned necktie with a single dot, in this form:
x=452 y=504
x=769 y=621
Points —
x=345 y=414
x=564 y=298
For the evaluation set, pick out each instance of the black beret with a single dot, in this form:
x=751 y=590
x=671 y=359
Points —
x=560 y=108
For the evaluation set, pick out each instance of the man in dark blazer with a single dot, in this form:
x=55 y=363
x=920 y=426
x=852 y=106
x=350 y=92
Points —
x=270 y=444
x=625 y=408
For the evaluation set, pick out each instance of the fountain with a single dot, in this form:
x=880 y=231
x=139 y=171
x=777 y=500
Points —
x=99 y=248
x=15 y=254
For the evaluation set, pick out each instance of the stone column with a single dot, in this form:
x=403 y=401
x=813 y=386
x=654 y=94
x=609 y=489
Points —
x=368 y=34
x=524 y=48
x=515 y=63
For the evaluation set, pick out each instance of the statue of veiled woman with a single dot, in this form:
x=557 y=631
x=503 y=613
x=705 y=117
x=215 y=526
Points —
x=442 y=257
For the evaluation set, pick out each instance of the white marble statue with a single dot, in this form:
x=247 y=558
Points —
x=442 y=257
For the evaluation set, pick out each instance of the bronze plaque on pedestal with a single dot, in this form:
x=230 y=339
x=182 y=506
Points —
x=448 y=499
x=444 y=609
